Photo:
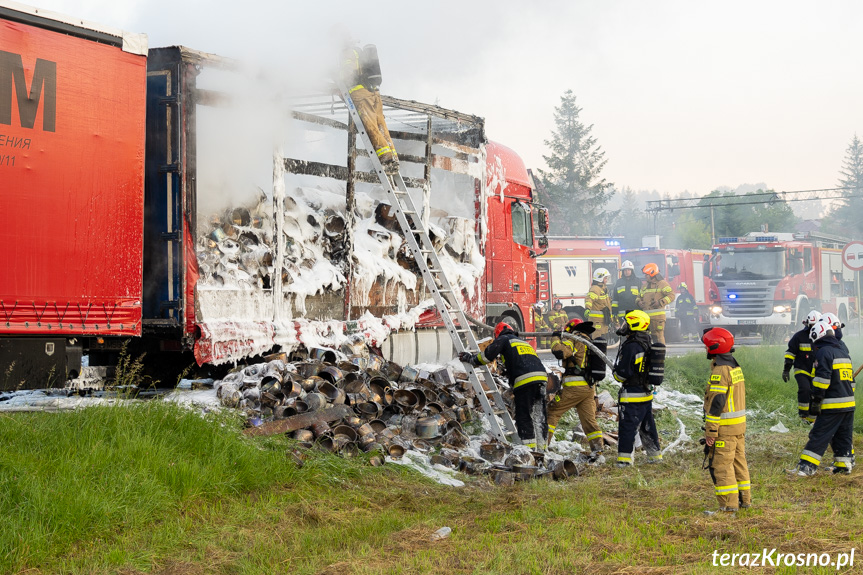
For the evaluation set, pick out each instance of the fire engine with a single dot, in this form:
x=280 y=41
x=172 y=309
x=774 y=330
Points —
x=767 y=283
x=566 y=269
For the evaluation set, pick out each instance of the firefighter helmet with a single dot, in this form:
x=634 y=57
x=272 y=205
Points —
x=833 y=320
x=539 y=306
x=811 y=318
x=718 y=340
x=577 y=325
x=600 y=275
x=558 y=304
x=627 y=265
x=570 y=325
x=821 y=328
x=651 y=270
x=500 y=327
x=637 y=320
x=683 y=286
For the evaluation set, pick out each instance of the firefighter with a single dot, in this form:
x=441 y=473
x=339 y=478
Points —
x=801 y=356
x=577 y=387
x=685 y=309
x=635 y=402
x=527 y=375
x=539 y=322
x=360 y=71
x=654 y=296
x=832 y=403
x=558 y=318
x=837 y=326
x=626 y=291
x=597 y=304
x=725 y=423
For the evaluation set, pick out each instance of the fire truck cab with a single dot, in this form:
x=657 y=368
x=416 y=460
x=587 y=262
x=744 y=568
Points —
x=777 y=279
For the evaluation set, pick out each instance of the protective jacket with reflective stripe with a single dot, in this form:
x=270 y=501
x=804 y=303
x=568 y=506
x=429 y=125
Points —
x=574 y=355
x=725 y=398
x=519 y=358
x=626 y=292
x=630 y=368
x=655 y=295
x=597 y=303
x=833 y=385
x=800 y=353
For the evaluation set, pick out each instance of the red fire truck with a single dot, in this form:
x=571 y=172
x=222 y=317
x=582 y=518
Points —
x=678 y=266
x=566 y=269
x=769 y=282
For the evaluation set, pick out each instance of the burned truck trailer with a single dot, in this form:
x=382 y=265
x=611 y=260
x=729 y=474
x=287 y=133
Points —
x=72 y=108
x=176 y=208
x=303 y=247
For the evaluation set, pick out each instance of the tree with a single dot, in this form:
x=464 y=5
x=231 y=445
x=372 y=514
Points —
x=631 y=221
x=849 y=213
x=573 y=182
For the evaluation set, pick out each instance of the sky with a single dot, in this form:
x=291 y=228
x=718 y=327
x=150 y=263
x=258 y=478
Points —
x=683 y=96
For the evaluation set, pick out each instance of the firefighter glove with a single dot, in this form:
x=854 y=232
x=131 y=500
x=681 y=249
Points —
x=814 y=409
x=557 y=353
x=785 y=375
x=555 y=334
x=466 y=357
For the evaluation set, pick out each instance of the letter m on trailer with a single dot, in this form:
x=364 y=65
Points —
x=43 y=83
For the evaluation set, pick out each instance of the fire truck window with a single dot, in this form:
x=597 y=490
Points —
x=521 y=228
x=807 y=259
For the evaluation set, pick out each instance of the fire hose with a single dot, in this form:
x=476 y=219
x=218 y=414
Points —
x=574 y=337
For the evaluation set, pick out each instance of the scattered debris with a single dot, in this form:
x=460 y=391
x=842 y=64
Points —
x=779 y=428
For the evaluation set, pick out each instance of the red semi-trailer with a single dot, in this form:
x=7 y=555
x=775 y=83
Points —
x=72 y=108
x=114 y=240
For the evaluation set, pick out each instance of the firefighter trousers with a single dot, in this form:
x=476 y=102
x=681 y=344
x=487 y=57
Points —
x=371 y=111
x=657 y=328
x=835 y=430
x=804 y=392
x=582 y=398
x=637 y=418
x=729 y=472
x=526 y=398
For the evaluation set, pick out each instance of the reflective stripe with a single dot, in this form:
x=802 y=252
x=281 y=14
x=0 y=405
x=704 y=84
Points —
x=355 y=88
x=844 y=459
x=529 y=378
x=804 y=372
x=657 y=457
x=617 y=377
x=803 y=406
x=840 y=362
x=627 y=457
x=733 y=414
x=811 y=457
x=594 y=435
x=743 y=485
x=656 y=312
x=551 y=428
x=719 y=388
x=726 y=489
x=821 y=383
x=805 y=347
x=626 y=397
x=385 y=150
x=734 y=421
x=575 y=383
x=482 y=358
x=837 y=403
x=711 y=418
x=789 y=356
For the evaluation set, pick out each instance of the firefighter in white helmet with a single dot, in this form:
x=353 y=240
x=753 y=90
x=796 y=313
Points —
x=597 y=303
x=625 y=291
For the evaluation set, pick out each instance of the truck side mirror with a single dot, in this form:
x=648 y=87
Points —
x=542 y=242
x=542 y=214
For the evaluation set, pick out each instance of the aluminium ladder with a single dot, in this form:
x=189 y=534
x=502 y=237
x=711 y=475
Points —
x=435 y=279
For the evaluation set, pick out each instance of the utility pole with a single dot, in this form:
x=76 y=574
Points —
x=712 y=228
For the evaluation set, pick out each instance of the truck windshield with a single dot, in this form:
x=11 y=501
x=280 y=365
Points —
x=641 y=260
x=747 y=264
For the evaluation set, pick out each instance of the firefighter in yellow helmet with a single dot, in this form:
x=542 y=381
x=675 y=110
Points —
x=577 y=387
x=656 y=293
x=597 y=304
x=361 y=74
x=635 y=402
x=725 y=423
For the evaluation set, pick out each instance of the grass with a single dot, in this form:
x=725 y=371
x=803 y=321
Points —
x=152 y=488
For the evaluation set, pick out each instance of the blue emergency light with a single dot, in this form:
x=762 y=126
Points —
x=732 y=296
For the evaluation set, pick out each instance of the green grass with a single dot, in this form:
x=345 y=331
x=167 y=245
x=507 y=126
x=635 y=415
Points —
x=154 y=488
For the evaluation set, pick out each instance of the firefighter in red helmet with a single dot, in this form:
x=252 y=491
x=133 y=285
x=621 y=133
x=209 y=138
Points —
x=577 y=387
x=526 y=373
x=725 y=423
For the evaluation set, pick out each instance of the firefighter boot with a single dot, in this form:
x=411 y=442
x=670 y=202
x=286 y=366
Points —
x=806 y=469
x=596 y=446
